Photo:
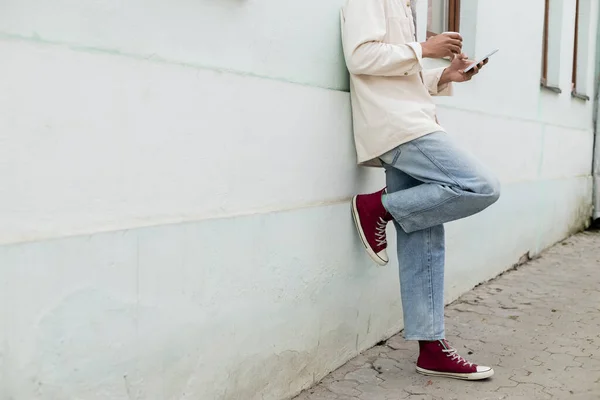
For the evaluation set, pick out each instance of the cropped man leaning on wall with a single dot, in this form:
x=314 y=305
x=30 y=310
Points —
x=431 y=179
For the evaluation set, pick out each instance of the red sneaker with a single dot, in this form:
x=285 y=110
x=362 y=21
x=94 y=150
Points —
x=371 y=218
x=439 y=359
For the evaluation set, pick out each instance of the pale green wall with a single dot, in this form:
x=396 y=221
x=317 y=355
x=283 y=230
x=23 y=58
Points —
x=295 y=41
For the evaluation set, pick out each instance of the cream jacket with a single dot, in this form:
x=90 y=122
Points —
x=390 y=90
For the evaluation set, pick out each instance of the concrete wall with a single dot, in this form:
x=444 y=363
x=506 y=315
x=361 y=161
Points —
x=174 y=209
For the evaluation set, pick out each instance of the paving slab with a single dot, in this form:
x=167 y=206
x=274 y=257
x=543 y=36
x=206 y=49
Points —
x=538 y=326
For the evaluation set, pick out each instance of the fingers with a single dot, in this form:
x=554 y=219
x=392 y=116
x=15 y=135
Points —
x=455 y=46
x=455 y=49
x=446 y=45
x=452 y=42
x=466 y=76
x=450 y=53
x=454 y=36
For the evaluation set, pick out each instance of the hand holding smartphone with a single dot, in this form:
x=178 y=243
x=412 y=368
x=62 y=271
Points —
x=480 y=61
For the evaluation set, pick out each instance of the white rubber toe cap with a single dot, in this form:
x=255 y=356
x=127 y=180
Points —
x=383 y=256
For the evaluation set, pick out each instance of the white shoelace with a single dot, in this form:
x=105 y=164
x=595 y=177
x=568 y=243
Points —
x=452 y=353
x=381 y=239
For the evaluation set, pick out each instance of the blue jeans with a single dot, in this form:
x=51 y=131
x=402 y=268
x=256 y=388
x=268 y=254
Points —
x=430 y=181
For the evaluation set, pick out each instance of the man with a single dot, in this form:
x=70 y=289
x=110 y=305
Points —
x=431 y=180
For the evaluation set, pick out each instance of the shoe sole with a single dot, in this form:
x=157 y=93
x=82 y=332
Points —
x=381 y=262
x=476 y=376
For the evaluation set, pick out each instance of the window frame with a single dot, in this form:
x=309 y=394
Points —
x=575 y=45
x=574 y=75
x=452 y=18
x=544 y=79
x=454 y=15
x=546 y=51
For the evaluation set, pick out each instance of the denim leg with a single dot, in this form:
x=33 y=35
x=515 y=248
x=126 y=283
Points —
x=454 y=184
x=431 y=181
x=421 y=257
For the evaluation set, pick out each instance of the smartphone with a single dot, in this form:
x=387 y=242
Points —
x=482 y=59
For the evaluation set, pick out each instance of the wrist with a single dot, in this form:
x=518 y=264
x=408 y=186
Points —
x=445 y=78
x=425 y=48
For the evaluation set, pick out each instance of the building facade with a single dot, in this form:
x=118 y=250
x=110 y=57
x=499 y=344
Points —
x=176 y=176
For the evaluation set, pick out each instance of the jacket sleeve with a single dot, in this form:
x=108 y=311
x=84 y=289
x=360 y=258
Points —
x=364 y=27
x=431 y=78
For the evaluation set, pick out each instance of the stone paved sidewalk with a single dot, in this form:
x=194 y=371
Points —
x=538 y=326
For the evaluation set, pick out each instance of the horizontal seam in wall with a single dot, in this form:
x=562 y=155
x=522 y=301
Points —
x=514 y=118
x=255 y=212
x=160 y=60
x=157 y=59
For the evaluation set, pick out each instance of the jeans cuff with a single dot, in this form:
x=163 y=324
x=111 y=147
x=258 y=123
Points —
x=424 y=338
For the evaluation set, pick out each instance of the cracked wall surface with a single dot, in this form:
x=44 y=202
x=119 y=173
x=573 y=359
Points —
x=538 y=326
